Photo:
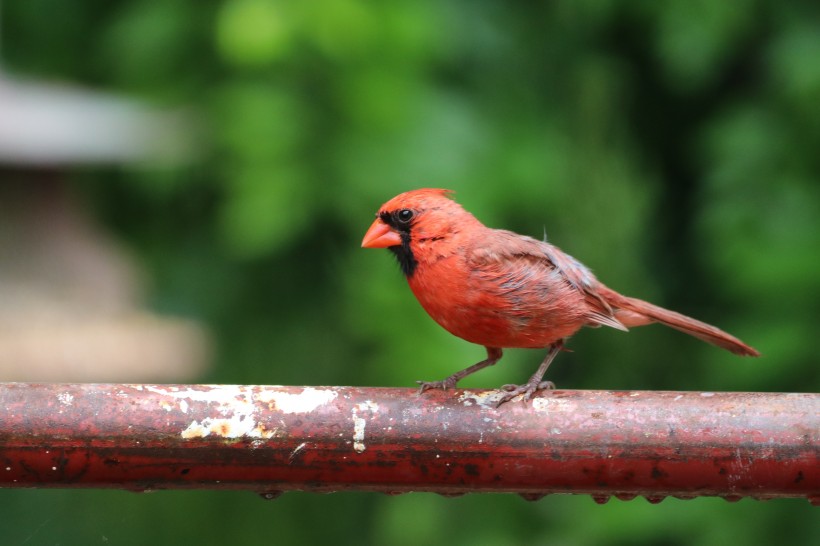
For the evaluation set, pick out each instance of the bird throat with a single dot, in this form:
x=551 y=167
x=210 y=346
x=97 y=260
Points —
x=404 y=255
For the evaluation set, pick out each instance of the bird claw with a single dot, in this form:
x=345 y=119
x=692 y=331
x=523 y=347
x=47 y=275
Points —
x=546 y=386
x=527 y=389
x=444 y=384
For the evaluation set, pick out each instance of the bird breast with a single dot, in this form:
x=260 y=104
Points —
x=508 y=303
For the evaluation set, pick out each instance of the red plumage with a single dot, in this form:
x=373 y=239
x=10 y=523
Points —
x=503 y=290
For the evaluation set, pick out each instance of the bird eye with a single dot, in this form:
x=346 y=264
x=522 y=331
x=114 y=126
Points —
x=405 y=215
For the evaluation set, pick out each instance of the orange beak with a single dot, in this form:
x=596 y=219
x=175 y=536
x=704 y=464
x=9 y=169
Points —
x=380 y=235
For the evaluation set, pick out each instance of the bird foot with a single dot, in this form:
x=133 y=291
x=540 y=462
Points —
x=444 y=384
x=527 y=389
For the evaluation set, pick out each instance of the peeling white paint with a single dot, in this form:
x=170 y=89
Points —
x=234 y=405
x=307 y=400
x=219 y=394
x=554 y=405
x=359 y=424
x=237 y=426
x=485 y=399
x=358 y=434
x=236 y=408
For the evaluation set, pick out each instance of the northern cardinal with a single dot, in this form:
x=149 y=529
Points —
x=503 y=290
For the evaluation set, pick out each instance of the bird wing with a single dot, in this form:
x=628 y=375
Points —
x=506 y=249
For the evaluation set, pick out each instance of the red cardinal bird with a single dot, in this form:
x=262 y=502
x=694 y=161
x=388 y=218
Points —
x=501 y=290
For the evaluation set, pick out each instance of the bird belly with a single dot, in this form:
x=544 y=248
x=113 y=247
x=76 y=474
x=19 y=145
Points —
x=488 y=312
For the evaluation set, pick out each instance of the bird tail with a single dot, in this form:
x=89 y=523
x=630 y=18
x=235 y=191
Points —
x=635 y=312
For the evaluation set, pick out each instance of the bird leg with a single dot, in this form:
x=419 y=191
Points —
x=493 y=356
x=535 y=383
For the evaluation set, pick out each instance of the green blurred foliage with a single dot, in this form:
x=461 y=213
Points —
x=672 y=147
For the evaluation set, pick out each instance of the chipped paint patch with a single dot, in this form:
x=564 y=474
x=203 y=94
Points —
x=358 y=434
x=556 y=405
x=359 y=424
x=307 y=400
x=237 y=426
x=218 y=394
x=485 y=399
x=236 y=407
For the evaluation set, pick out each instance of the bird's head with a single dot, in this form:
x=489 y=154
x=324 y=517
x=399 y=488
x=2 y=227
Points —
x=412 y=221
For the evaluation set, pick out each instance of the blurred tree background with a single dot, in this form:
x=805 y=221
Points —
x=671 y=146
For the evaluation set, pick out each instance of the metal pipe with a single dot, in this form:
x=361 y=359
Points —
x=274 y=439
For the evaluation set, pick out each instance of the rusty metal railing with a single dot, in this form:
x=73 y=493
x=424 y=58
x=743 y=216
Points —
x=275 y=439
